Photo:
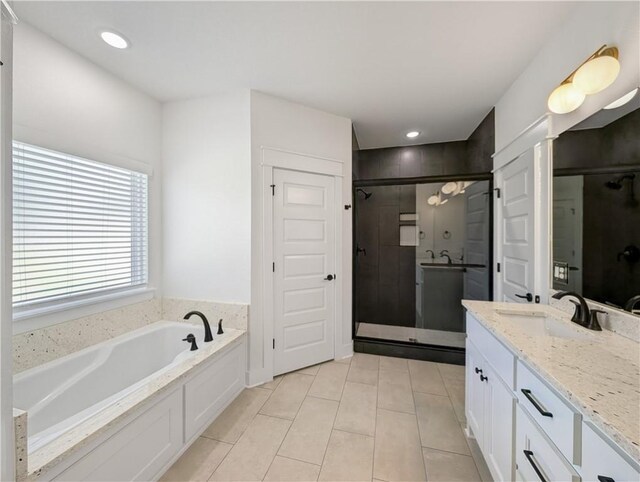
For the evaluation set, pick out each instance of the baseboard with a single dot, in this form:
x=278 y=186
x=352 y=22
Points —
x=416 y=351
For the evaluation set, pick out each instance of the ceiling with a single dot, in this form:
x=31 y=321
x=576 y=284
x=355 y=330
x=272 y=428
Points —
x=436 y=67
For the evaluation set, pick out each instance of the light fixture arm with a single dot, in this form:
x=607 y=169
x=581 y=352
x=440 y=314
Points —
x=604 y=50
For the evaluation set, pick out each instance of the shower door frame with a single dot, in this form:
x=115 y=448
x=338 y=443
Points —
x=406 y=349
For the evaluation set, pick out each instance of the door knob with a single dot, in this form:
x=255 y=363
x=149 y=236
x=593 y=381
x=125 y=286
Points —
x=528 y=297
x=329 y=277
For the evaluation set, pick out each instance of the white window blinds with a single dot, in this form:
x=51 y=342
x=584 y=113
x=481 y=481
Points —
x=79 y=227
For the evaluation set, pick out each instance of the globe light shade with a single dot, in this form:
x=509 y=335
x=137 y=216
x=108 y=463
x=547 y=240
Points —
x=625 y=99
x=433 y=200
x=449 y=187
x=597 y=74
x=565 y=98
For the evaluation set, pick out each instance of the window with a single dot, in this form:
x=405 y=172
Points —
x=79 y=228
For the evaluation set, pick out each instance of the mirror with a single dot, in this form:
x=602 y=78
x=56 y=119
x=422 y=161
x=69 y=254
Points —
x=596 y=208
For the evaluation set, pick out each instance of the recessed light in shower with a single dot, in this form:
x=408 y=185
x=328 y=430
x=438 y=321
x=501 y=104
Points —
x=113 y=39
x=412 y=134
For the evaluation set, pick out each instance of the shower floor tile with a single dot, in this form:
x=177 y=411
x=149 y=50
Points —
x=362 y=429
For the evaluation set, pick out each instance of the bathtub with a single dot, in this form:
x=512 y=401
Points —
x=72 y=391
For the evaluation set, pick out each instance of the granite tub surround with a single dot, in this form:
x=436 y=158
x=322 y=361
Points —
x=21 y=438
x=36 y=347
x=620 y=322
x=88 y=431
x=234 y=315
x=598 y=373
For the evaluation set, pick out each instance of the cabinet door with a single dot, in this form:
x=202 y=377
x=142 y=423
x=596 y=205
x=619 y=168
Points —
x=474 y=393
x=499 y=415
x=601 y=462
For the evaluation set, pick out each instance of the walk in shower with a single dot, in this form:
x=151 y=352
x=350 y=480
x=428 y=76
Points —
x=420 y=249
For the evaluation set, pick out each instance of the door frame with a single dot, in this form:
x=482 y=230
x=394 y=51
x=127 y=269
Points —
x=281 y=159
x=539 y=138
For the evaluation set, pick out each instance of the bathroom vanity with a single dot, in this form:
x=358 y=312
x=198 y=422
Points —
x=549 y=400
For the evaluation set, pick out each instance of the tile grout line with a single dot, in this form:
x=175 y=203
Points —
x=290 y=425
x=240 y=436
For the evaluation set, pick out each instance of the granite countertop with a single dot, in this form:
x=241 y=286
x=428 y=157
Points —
x=599 y=374
x=57 y=450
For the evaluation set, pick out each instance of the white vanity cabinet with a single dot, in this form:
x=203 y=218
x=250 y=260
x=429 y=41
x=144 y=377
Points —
x=525 y=429
x=490 y=408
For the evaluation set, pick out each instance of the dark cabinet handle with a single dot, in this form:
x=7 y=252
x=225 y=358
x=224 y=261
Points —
x=483 y=378
x=604 y=478
x=528 y=297
x=329 y=277
x=478 y=370
x=529 y=455
x=544 y=412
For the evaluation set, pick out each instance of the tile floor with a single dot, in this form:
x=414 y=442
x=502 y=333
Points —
x=368 y=418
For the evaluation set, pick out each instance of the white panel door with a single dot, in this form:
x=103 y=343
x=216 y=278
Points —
x=304 y=271
x=516 y=205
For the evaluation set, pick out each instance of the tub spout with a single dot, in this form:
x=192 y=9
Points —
x=207 y=328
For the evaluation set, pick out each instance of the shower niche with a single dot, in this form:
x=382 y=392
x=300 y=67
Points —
x=420 y=248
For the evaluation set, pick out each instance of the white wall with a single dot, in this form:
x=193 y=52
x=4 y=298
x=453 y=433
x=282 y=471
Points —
x=588 y=26
x=278 y=124
x=206 y=205
x=64 y=102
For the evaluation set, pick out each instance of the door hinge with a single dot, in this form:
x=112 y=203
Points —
x=273 y=267
x=273 y=189
x=274 y=343
x=497 y=190
x=498 y=267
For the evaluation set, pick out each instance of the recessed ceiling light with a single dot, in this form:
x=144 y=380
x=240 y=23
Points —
x=412 y=134
x=114 y=39
x=622 y=100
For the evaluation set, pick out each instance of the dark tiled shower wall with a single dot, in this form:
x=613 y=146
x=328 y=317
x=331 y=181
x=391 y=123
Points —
x=472 y=156
x=386 y=275
x=617 y=144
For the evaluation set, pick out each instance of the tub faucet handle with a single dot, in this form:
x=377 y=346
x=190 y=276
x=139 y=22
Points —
x=220 y=331
x=191 y=339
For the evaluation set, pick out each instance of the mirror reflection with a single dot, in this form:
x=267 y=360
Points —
x=596 y=208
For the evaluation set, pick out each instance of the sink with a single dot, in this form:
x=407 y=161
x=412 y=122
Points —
x=541 y=324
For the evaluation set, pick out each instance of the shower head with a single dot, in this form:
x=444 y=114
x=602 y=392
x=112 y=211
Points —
x=367 y=195
x=616 y=184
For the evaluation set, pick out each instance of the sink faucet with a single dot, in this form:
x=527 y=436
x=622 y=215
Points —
x=207 y=328
x=631 y=303
x=433 y=255
x=581 y=315
x=445 y=254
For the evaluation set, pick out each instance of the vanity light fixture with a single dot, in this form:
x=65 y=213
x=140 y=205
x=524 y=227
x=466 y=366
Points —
x=113 y=39
x=449 y=187
x=626 y=98
x=594 y=75
x=434 y=199
x=412 y=134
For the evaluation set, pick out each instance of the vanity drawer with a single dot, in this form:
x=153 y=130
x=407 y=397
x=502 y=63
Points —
x=552 y=413
x=600 y=462
x=537 y=459
x=499 y=356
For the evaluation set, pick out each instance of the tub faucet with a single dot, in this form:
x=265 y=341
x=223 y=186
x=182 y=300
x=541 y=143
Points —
x=207 y=328
x=581 y=315
x=631 y=303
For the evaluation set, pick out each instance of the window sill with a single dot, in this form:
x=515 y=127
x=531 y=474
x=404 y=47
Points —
x=37 y=318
